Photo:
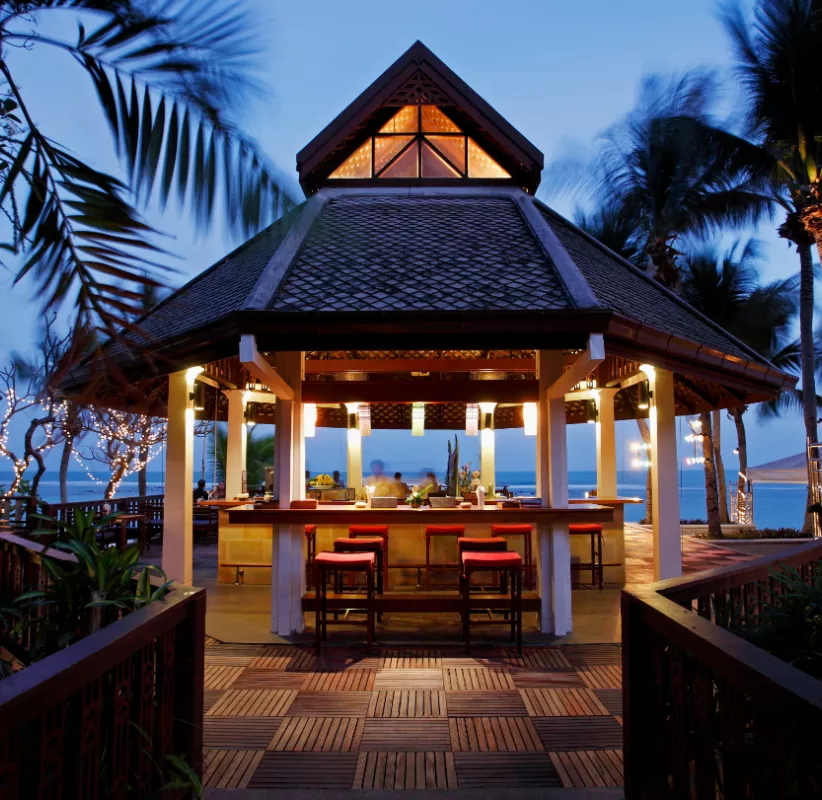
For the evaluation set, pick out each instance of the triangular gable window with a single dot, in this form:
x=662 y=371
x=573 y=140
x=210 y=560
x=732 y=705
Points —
x=419 y=142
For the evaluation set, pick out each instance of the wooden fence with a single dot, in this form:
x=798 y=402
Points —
x=95 y=720
x=708 y=714
x=152 y=505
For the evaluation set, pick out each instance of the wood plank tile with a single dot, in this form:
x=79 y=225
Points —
x=302 y=660
x=274 y=657
x=231 y=655
x=218 y=676
x=546 y=679
x=486 y=704
x=602 y=676
x=409 y=678
x=352 y=680
x=562 y=703
x=239 y=733
x=210 y=641
x=407 y=703
x=210 y=697
x=230 y=769
x=611 y=699
x=581 y=655
x=330 y=704
x=319 y=734
x=511 y=770
x=494 y=734
x=589 y=768
x=403 y=770
x=419 y=735
x=253 y=678
x=410 y=658
x=281 y=770
x=579 y=733
x=459 y=679
x=253 y=703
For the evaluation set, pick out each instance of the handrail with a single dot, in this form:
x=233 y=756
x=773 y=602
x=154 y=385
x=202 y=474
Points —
x=37 y=548
x=706 y=712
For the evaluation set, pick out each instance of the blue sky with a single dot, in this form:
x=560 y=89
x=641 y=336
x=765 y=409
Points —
x=559 y=72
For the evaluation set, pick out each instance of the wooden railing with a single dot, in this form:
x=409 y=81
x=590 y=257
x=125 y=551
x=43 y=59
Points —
x=95 y=720
x=708 y=714
x=14 y=512
x=151 y=505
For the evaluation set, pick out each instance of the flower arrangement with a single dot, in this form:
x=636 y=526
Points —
x=417 y=496
x=322 y=480
x=467 y=478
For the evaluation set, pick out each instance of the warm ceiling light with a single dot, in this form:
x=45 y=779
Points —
x=198 y=396
x=309 y=420
x=590 y=411
x=251 y=414
x=353 y=421
x=471 y=419
x=529 y=418
x=418 y=419
x=643 y=395
x=487 y=410
x=364 y=418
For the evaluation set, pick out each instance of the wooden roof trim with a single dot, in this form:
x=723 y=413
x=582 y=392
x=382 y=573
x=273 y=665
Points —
x=386 y=84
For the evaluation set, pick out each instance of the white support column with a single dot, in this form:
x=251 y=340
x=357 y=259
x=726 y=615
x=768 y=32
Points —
x=236 y=437
x=664 y=474
x=353 y=475
x=606 y=443
x=554 y=566
x=288 y=565
x=488 y=468
x=178 y=531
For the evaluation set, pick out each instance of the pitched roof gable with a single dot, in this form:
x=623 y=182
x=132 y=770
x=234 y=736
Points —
x=419 y=77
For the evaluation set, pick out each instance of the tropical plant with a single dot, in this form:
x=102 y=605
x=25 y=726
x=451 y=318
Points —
x=171 y=79
x=777 y=54
x=259 y=454
x=724 y=285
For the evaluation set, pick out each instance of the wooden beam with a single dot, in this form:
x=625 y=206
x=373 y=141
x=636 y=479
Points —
x=625 y=383
x=253 y=361
x=580 y=368
x=383 y=365
x=422 y=391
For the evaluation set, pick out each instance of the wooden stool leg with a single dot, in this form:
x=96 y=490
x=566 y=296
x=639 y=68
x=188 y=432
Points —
x=318 y=615
x=513 y=605
x=529 y=559
x=385 y=564
x=466 y=610
x=369 y=620
x=427 y=561
x=601 y=564
x=593 y=559
x=519 y=613
x=380 y=583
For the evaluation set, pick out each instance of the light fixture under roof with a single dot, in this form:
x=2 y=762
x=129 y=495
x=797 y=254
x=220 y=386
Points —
x=529 y=418
x=471 y=419
x=418 y=419
x=364 y=419
x=309 y=420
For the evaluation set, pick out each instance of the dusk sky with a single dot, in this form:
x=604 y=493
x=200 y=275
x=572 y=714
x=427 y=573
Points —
x=559 y=72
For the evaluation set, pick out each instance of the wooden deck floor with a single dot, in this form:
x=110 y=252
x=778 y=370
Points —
x=277 y=718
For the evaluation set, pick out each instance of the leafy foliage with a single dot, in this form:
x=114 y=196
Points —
x=259 y=454
x=170 y=77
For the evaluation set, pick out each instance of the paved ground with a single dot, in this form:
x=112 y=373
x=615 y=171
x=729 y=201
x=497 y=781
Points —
x=278 y=718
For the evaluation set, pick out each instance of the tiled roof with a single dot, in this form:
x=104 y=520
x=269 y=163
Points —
x=621 y=287
x=420 y=253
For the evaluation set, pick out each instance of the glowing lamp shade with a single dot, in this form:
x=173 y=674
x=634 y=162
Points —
x=471 y=419
x=364 y=416
x=590 y=411
x=251 y=414
x=418 y=419
x=487 y=411
x=198 y=396
x=310 y=419
x=353 y=420
x=529 y=418
x=643 y=395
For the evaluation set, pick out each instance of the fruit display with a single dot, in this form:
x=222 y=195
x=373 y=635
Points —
x=322 y=480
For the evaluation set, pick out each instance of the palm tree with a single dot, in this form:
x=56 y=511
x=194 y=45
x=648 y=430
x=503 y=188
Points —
x=778 y=61
x=171 y=78
x=259 y=454
x=724 y=286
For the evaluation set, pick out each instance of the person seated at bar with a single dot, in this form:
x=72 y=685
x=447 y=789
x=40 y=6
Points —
x=399 y=488
x=337 y=478
x=378 y=479
x=218 y=492
x=430 y=482
x=200 y=492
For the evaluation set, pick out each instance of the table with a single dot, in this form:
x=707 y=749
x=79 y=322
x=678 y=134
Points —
x=123 y=521
x=284 y=529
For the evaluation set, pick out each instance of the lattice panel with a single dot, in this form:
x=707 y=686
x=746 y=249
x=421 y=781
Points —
x=419 y=90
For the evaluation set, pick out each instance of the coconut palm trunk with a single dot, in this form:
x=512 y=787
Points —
x=711 y=493
x=806 y=337
x=742 y=447
x=645 y=435
x=716 y=422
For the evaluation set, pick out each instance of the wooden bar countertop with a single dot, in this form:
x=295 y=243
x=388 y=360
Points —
x=404 y=515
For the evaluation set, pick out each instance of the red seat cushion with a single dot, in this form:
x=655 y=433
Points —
x=345 y=560
x=310 y=530
x=363 y=543
x=494 y=544
x=513 y=529
x=444 y=530
x=587 y=527
x=368 y=530
x=507 y=560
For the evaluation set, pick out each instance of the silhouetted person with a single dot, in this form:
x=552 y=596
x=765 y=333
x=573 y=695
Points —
x=399 y=488
x=200 y=492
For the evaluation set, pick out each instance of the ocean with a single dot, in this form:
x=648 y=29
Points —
x=775 y=505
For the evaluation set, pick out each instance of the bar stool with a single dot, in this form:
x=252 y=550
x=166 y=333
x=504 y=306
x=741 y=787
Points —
x=526 y=531
x=372 y=544
x=486 y=544
x=433 y=531
x=374 y=530
x=311 y=552
x=504 y=562
x=595 y=565
x=326 y=562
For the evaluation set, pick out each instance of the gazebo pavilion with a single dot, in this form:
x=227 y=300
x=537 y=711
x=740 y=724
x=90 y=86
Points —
x=422 y=279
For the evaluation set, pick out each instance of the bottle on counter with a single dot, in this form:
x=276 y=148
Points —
x=480 y=496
